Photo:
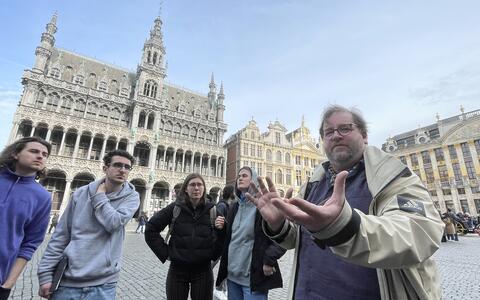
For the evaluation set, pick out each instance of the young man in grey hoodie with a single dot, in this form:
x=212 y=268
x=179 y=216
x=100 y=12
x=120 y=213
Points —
x=91 y=233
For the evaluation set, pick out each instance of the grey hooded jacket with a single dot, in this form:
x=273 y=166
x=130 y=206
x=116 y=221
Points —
x=90 y=233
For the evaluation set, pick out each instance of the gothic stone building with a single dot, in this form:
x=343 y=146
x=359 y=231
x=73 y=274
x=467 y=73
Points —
x=446 y=156
x=275 y=153
x=86 y=107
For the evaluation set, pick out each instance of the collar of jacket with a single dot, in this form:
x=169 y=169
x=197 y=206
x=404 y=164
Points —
x=380 y=168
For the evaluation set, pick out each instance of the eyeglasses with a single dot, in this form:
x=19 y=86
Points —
x=120 y=166
x=195 y=184
x=342 y=129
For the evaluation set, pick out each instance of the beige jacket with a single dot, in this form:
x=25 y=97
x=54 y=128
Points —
x=397 y=241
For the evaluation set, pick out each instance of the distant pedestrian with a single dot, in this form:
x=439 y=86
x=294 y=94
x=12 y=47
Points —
x=228 y=197
x=142 y=220
x=53 y=222
x=451 y=225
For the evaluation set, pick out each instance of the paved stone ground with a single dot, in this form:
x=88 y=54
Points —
x=143 y=276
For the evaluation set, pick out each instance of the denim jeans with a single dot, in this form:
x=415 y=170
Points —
x=99 y=292
x=241 y=292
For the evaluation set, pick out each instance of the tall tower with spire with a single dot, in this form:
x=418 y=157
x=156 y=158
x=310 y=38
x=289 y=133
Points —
x=44 y=50
x=151 y=71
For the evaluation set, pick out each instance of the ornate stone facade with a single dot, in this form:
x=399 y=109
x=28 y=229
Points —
x=86 y=108
x=287 y=158
x=446 y=156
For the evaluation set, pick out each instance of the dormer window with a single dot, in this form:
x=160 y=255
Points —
x=124 y=92
x=102 y=86
x=55 y=73
x=79 y=79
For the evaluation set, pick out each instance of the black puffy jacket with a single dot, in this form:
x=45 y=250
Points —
x=264 y=251
x=193 y=244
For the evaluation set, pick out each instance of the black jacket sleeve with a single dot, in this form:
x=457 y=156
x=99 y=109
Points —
x=154 y=226
x=272 y=254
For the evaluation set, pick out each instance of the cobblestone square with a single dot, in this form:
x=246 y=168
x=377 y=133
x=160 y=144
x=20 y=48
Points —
x=143 y=276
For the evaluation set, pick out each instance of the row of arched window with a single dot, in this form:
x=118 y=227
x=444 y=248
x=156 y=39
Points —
x=90 y=81
x=81 y=108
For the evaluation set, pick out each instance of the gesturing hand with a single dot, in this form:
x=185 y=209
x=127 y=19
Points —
x=263 y=201
x=219 y=222
x=314 y=217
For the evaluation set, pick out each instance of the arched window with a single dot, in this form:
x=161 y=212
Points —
x=150 y=89
x=269 y=155
x=141 y=119
x=80 y=107
x=115 y=115
x=40 y=99
x=103 y=113
x=154 y=58
x=278 y=156
x=66 y=104
x=55 y=73
x=92 y=110
x=287 y=158
x=150 y=121
x=149 y=56
x=279 y=177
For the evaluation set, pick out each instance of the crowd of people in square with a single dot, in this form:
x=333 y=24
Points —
x=362 y=227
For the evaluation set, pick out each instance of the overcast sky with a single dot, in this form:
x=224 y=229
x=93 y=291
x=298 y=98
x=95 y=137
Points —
x=399 y=62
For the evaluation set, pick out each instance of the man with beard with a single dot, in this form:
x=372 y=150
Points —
x=367 y=227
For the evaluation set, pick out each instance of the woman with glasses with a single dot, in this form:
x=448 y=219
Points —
x=194 y=240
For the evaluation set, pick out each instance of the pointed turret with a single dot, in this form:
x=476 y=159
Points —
x=44 y=50
x=212 y=94
x=220 y=106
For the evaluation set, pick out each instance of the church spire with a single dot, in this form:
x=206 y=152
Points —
x=153 y=58
x=44 y=50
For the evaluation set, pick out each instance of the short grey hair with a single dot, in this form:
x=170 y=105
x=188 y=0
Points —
x=356 y=115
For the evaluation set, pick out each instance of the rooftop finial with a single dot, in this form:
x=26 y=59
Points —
x=212 y=79
x=221 y=88
x=54 y=18
x=462 y=109
x=437 y=116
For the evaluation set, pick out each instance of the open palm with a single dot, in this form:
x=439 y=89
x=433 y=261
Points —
x=263 y=200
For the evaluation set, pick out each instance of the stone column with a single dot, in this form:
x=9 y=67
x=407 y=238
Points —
x=90 y=147
x=153 y=157
x=116 y=145
x=66 y=196
x=209 y=173
x=49 y=133
x=104 y=146
x=32 y=132
x=183 y=161
x=165 y=158
x=174 y=160
x=148 y=195
x=62 y=143
x=77 y=143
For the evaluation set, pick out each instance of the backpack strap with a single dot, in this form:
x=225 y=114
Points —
x=176 y=213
